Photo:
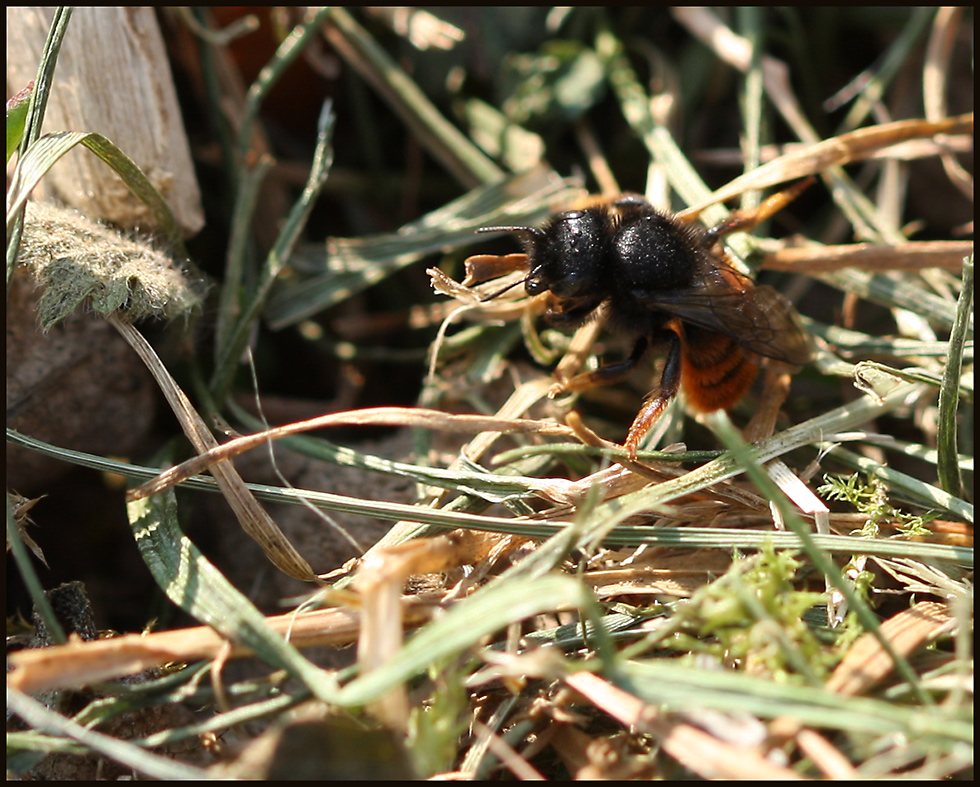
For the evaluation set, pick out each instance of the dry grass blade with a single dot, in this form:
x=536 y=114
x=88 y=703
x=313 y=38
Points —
x=515 y=406
x=935 y=70
x=704 y=754
x=513 y=761
x=829 y=759
x=457 y=153
x=380 y=577
x=738 y=52
x=20 y=506
x=678 y=575
x=844 y=149
x=81 y=663
x=912 y=256
x=214 y=455
x=867 y=663
x=253 y=518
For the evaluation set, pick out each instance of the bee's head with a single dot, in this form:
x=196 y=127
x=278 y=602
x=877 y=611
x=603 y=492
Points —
x=565 y=256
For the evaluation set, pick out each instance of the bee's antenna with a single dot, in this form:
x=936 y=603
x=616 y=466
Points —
x=527 y=236
x=500 y=292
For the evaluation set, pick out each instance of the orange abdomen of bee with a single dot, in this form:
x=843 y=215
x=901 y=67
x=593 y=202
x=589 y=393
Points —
x=715 y=371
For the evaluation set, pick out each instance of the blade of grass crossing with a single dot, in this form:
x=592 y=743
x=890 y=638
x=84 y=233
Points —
x=196 y=586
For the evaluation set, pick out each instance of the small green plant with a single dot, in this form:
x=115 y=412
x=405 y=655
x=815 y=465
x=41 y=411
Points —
x=754 y=617
x=870 y=498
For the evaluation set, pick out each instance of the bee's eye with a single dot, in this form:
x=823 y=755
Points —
x=572 y=283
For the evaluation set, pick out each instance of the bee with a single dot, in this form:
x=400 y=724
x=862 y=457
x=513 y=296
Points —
x=669 y=285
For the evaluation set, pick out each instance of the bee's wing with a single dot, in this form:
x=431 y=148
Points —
x=758 y=317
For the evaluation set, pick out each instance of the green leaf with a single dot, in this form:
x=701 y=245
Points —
x=49 y=149
x=17 y=106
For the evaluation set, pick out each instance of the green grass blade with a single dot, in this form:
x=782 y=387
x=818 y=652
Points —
x=621 y=535
x=353 y=264
x=683 y=688
x=196 y=586
x=48 y=150
x=462 y=627
x=155 y=766
x=949 y=394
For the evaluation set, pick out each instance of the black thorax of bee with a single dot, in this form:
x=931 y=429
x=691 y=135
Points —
x=619 y=254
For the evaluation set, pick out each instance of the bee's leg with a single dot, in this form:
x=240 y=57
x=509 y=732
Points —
x=654 y=406
x=742 y=221
x=606 y=375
